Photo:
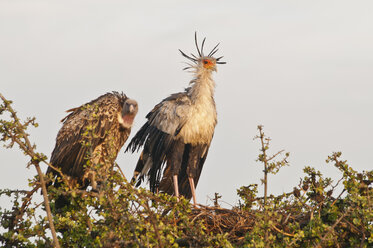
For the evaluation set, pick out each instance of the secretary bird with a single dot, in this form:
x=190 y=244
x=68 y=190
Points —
x=178 y=132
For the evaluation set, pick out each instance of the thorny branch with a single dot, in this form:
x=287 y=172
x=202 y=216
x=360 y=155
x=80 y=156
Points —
x=269 y=167
x=18 y=135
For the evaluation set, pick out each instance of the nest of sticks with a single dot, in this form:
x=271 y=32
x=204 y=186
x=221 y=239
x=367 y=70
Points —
x=235 y=222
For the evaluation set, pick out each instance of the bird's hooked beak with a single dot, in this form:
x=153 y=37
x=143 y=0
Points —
x=130 y=108
x=128 y=114
x=212 y=68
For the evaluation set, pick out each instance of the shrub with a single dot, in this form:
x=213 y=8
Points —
x=318 y=213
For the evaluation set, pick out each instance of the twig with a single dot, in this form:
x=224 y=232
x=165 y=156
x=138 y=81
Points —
x=338 y=197
x=282 y=232
x=26 y=201
x=120 y=170
x=275 y=155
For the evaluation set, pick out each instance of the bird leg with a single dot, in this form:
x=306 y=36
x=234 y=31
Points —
x=175 y=162
x=193 y=189
x=176 y=187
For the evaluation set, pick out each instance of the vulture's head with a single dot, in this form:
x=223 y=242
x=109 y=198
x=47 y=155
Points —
x=129 y=111
x=201 y=61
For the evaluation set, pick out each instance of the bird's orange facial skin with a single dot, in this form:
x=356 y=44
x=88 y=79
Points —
x=208 y=64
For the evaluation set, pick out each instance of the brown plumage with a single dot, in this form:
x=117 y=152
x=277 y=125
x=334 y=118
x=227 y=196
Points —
x=106 y=122
x=178 y=133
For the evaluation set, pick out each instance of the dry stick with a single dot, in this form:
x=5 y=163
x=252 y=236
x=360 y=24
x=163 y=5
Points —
x=28 y=149
x=354 y=227
x=47 y=207
x=120 y=170
x=275 y=155
x=338 y=197
x=282 y=232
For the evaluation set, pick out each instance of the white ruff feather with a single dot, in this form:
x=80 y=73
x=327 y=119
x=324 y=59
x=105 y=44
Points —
x=200 y=126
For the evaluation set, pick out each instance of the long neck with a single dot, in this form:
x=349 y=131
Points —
x=203 y=87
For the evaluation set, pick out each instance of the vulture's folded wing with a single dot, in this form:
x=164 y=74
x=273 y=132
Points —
x=83 y=129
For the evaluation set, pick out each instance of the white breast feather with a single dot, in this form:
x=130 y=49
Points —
x=200 y=126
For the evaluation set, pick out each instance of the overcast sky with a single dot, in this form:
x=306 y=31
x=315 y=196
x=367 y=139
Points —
x=303 y=69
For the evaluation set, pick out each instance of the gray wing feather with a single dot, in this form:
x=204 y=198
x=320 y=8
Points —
x=171 y=114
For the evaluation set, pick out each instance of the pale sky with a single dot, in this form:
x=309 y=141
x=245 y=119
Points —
x=303 y=69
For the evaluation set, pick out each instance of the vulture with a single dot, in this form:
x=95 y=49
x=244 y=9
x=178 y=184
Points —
x=95 y=131
x=178 y=132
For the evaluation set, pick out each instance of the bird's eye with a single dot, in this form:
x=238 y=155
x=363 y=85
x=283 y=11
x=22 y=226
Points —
x=205 y=62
